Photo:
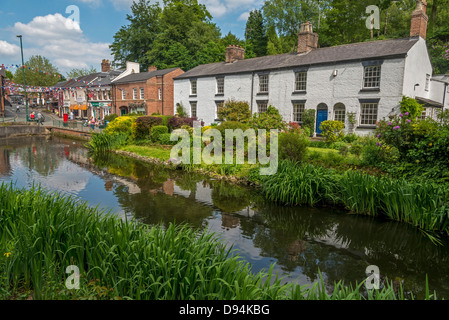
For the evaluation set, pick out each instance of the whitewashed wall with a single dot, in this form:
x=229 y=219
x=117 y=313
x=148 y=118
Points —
x=398 y=76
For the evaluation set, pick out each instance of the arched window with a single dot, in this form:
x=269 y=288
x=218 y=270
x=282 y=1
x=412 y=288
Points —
x=339 y=112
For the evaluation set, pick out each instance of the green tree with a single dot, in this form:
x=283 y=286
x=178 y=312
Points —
x=39 y=72
x=133 y=41
x=187 y=30
x=256 y=34
x=234 y=110
x=9 y=75
x=79 y=72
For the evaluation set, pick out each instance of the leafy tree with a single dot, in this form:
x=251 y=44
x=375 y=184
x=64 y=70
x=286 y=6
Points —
x=187 y=29
x=79 y=72
x=39 y=72
x=9 y=75
x=234 y=110
x=133 y=41
x=255 y=33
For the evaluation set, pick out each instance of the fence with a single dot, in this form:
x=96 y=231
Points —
x=78 y=126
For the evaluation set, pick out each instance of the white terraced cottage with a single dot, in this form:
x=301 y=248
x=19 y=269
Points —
x=368 y=79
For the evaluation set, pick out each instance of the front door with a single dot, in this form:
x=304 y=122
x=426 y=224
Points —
x=321 y=116
x=122 y=111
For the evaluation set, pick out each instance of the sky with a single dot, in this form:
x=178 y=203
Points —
x=77 y=33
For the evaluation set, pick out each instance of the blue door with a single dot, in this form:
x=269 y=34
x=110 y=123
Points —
x=321 y=116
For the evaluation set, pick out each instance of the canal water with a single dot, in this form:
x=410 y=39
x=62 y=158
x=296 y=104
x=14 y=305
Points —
x=300 y=241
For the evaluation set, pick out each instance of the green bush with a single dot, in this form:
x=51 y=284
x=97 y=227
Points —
x=356 y=149
x=156 y=131
x=164 y=139
x=332 y=130
x=233 y=110
x=308 y=120
x=121 y=124
x=141 y=128
x=293 y=146
x=343 y=149
x=271 y=119
x=110 y=117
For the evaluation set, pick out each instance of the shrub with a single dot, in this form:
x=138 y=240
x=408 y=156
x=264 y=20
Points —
x=121 y=124
x=356 y=149
x=332 y=130
x=233 y=110
x=292 y=146
x=156 y=131
x=308 y=120
x=178 y=122
x=164 y=139
x=142 y=126
x=110 y=117
x=412 y=107
x=180 y=110
x=271 y=119
x=343 y=149
x=349 y=138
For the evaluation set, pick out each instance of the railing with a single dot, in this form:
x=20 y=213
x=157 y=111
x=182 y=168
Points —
x=78 y=126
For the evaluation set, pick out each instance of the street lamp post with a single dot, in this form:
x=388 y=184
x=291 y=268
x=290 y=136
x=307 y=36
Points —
x=24 y=84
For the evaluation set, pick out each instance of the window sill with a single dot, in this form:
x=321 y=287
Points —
x=366 y=127
x=370 y=90
x=219 y=94
x=262 y=94
x=192 y=96
x=300 y=92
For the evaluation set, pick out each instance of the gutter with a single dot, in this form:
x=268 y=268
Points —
x=252 y=91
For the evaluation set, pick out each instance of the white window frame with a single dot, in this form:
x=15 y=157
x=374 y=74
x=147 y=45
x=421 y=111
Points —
x=159 y=92
x=142 y=93
x=262 y=106
x=372 y=76
x=339 y=111
x=193 y=87
x=367 y=116
x=264 y=82
x=220 y=85
x=193 y=109
x=427 y=86
x=301 y=81
x=123 y=94
x=134 y=93
x=298 y=111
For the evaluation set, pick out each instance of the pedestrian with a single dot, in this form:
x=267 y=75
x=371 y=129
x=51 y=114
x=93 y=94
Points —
x=17 y=108
x=92 y=123
x=40 y=118
x=71 y=115
x=32 y=116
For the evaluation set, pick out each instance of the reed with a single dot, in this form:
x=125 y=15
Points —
x=425 y=205
x=43 y=233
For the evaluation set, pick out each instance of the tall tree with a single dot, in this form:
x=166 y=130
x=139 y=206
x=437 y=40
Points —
x=187 y=29
x=79 y=72
x=133 y=41
x=39 y=71
x=256 y=34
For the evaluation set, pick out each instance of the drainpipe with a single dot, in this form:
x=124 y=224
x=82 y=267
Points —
x=444 y=94
x=162 y=95
x=252 y=91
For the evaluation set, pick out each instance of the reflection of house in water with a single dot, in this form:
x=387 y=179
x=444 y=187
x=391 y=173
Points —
x=5 y=165
x=295 y=249
x=108 y=185
x=169 y=187
x=200 y=193
x=229 y=221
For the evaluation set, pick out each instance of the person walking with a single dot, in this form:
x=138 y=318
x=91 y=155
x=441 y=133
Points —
x=40 y=118
x=17 y=109
x=92 y=123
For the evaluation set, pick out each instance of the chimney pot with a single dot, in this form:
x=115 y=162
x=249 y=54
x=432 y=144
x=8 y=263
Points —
x=105 y=65
x=152 y=68
x=307 y=39
x=419 y=20
x=234 y=53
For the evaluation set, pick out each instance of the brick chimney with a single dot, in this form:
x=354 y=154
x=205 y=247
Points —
x=234 y=53
x=152 y=68
x=419 y=20
x=105 y=65
x=307 y=39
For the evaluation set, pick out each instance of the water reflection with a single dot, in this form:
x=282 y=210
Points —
x=299 y=240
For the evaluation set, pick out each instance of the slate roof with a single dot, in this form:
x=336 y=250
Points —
x=93 y=79
x=441 y=77
x=144 y=76
x=349 y=52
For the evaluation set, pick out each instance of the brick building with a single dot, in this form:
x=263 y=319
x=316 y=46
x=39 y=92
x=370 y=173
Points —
x=145 y=92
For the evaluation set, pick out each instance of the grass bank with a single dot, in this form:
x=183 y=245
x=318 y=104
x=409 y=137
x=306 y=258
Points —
x=42 y=233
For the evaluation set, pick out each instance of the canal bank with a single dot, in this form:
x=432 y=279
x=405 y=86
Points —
x=299 y=241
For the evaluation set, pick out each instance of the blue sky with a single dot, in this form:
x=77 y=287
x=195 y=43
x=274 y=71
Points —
x=52 y=32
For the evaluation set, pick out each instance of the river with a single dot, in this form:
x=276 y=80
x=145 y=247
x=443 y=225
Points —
x=299 y=240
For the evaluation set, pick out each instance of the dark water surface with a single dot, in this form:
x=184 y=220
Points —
x=300 y=241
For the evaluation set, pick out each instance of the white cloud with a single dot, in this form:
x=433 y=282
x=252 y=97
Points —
x=244 y=16
x=8 y=49
x=61 y=40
